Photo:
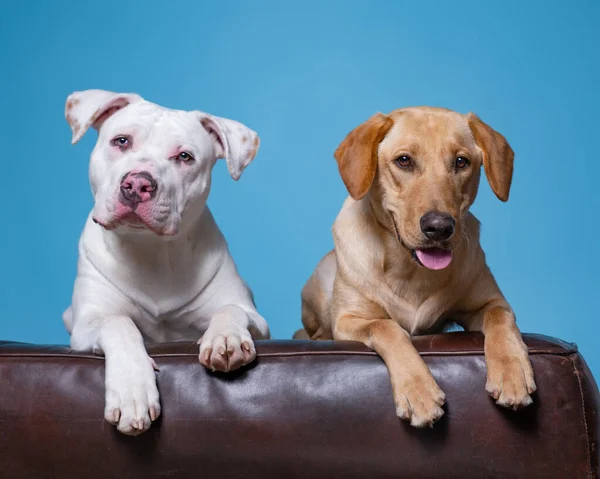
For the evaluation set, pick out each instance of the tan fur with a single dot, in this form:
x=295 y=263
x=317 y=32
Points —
x=361 y=143
x=498 y=157
x=370 y=289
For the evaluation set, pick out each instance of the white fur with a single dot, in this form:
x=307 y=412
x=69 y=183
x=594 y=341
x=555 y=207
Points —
x=176 y=283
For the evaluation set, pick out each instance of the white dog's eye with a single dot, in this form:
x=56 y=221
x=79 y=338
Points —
x=185 y=156
x=121 y=142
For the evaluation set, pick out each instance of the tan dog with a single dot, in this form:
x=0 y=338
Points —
x=407 y=255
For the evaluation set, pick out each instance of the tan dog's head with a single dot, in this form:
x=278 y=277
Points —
x=421 y=166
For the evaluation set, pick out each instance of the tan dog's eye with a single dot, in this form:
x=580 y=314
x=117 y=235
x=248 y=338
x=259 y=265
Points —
x=185 y=156
x=403 y=161
x=461 y=162
x=121 y=142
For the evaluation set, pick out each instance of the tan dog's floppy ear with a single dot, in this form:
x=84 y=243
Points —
x=235 y=142
x=92 y=107
x=498 y=156
x=357 y=154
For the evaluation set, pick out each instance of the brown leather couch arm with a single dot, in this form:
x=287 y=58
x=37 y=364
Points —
x=304 y=409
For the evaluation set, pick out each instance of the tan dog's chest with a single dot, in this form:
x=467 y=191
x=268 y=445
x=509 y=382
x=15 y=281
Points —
x=429 y=302
x=429 y=295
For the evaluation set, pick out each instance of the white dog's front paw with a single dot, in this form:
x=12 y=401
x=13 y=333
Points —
x=132 y=401
x=226 y=348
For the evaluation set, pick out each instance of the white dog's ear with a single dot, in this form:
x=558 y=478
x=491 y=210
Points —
x=235 y=142
x=92 y=107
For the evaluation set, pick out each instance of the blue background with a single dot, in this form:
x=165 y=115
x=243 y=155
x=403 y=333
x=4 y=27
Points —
x=303 y=74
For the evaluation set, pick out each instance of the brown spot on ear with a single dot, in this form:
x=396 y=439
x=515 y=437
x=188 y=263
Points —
x=244 y=139
x=357 y=154
x=498 y=156
x=71 y=102
x=254 y=148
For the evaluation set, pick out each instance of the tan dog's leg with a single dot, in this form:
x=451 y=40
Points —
x=316 y=299
x=509 y=374
x=417 y=396
x=301 y=334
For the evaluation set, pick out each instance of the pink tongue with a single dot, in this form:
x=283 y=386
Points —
x=434 y=258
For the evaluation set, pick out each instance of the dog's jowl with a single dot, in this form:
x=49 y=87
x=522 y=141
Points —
x=407 y=254
x=153 y=265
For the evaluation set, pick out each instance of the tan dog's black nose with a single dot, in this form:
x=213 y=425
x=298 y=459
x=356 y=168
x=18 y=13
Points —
x=437 y=226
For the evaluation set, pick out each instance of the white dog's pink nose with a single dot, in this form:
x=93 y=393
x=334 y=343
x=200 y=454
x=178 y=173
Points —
x=137 y=188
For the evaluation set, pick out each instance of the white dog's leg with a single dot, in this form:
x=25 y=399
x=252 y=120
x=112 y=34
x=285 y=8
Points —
x=227 y=343
x=68 y=319
x=132 y=401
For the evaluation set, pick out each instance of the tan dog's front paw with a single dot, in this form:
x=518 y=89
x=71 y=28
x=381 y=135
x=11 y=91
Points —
x=510 y=380
x=226 y=350
x=420 y=401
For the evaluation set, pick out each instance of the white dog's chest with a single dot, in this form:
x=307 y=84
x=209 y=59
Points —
x=166 y=303
x=172 y=326
x=165 y=286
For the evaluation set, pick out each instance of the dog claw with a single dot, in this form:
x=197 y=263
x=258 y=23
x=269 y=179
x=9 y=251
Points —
x=495 y=394
x=154 y=365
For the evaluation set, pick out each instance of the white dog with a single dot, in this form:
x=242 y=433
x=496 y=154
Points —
x=153 y=265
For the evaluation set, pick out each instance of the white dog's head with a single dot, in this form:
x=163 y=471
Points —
x=151 y=167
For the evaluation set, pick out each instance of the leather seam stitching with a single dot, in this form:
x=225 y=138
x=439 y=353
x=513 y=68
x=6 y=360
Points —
x=279 y=354
x=587 y=435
